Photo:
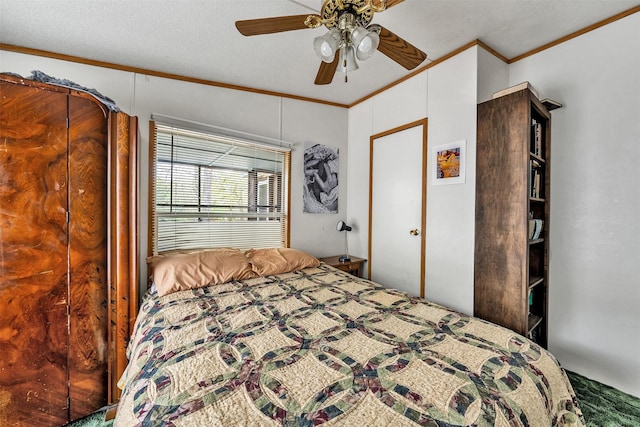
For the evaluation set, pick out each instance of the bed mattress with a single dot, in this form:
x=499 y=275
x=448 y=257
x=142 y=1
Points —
x=321 y=347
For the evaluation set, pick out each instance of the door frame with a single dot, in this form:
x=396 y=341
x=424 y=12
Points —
x=423 y=220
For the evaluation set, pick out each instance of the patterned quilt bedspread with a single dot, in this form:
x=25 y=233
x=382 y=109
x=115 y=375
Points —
x=322 y=347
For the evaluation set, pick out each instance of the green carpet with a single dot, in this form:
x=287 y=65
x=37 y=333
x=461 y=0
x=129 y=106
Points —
x=97 y=419
x=602 y=406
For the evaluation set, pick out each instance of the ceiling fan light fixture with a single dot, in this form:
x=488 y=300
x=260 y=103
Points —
x=350 y=32
x=327 y=45
x=365 y=42
x=347 y=59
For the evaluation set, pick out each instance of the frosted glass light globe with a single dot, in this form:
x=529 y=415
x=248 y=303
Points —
x=365 y=45
x=326 y=49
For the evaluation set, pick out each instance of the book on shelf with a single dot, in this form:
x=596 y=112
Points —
x=536 y=137
x=532 y=228
x=536 y=184
x=538 y=232
x=534 y=170
x=516 y=88
x=535 y=228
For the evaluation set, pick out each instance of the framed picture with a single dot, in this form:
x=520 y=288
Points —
x=320 y=191
x=448 y=163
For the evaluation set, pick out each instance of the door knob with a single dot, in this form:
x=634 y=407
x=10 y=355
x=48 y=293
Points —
x=414 y=232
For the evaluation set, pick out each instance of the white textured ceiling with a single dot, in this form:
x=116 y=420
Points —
x=198 y=39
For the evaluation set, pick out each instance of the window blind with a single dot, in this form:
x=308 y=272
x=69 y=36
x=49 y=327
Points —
x=211 y=190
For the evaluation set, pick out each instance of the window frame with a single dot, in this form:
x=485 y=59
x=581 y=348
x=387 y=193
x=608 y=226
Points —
x=253 y=192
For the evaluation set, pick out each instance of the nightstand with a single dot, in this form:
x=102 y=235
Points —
x=353 y=267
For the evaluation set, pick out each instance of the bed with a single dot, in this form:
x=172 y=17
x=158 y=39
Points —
x=285 y=340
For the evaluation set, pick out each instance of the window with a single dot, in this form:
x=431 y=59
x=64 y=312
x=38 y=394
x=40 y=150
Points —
x=211 y=190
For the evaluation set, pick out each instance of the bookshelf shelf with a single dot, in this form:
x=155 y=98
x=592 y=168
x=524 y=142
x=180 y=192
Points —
x=512 y=201
x=534 y=281
x=533 y=321
x=536 y=157
x=550 y=104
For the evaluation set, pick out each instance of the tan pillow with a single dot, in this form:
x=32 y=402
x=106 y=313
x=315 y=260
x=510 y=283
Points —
x=182 y=271
x=279 y=260
x=153 y=260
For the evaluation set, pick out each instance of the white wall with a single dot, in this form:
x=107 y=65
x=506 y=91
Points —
x=451 y=208
x=446 y=94
x=271 y=116
x=493 y=75
x=594 y=280
x=360 y=129
x=402 y=104
x=316 y=123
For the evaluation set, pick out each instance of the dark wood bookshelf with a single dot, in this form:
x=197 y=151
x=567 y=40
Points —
x=511 y=278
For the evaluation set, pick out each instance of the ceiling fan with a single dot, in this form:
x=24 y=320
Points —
x=350 y=35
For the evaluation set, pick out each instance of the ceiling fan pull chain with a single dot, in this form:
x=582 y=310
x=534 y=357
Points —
x=344 y=67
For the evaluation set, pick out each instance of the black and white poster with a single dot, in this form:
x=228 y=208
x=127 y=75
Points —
x=320 y=179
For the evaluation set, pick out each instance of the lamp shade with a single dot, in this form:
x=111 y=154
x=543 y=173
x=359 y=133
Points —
x=347 y=59
x=365 y=42
x=327 y=45
x=343 y=227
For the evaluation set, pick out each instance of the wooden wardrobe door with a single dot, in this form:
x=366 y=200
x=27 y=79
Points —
x=88 y=349
x=33 y=256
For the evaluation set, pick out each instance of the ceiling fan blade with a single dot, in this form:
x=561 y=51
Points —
x=253 y=27
x=391 y=3
x=327 y=71
x=401 y=51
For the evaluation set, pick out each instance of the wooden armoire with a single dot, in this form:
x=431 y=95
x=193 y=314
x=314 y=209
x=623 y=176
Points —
x=68 y=251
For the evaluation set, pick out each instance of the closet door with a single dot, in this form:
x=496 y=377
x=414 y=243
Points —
x=88 y=349
x=33 y=256
x=398 y=208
